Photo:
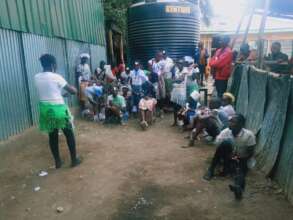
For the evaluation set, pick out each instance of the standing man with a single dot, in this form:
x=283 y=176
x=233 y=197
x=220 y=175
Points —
x=54 y=113
x=222 y=64
x=156 y=67
x=203 y=61
x=279 y=61
x=83 y=75
x=167 y=71
x=137 y=79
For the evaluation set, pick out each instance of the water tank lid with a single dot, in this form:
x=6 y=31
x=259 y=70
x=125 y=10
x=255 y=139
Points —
x=157 y=1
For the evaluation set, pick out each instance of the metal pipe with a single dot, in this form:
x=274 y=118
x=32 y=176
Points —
x=260 y=47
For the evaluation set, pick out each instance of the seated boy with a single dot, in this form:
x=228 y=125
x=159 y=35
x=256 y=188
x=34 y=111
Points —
x=116 y=107
x=147 y=109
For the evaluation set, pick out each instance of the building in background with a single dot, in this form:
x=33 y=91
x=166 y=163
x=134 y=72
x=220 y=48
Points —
x=277 y=29
x=29 y=29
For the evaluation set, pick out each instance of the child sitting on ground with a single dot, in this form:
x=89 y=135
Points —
x=147 y=109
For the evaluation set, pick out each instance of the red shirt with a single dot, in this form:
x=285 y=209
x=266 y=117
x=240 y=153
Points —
x=222 y=63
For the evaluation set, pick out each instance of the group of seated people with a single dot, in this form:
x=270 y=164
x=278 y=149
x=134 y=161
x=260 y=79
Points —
x=220 y=125
x=113 y=99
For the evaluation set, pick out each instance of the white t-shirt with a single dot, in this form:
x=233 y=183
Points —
x=168 y=67
x=244 y=139
x=85 y=72
x=157 y=67
x=138 y=77
x=49 y=86
x=229 y=110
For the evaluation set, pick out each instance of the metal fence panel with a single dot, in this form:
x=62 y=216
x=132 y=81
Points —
x=34 y=47
x=81 y=20
x=284 y=171
x=268 y=146
x=14 y=114
x=98 y=53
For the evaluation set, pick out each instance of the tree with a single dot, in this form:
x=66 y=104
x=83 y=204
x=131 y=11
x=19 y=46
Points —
x=116 y=13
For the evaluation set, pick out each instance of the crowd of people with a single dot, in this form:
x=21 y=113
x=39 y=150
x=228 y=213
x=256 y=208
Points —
x=114 y=94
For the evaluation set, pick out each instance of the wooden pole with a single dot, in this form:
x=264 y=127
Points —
x=260 y=47
x=111 y=47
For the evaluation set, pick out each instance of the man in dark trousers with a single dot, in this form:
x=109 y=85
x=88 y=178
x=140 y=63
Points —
x=235 y=145
x=54 y=113
x=221 y=62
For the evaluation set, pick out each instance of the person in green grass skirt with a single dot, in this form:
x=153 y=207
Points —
x=54 y=113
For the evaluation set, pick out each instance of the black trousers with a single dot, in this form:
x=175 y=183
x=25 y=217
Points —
x=224 y=153
x=54 y=144
x=202 y=70
x=221 y=87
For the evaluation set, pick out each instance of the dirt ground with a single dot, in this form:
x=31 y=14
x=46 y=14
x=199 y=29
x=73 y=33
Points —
x=127 y=174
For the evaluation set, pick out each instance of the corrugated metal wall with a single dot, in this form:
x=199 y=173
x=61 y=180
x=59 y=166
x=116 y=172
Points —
x=98 y=53
x=14 y=99
x=34 y=46
x=19 y=62
x=81 y=20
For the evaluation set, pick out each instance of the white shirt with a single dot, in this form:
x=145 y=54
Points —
x=85 y=72
x=168 y=65
x=138 y=77
x=229 y=110
x=244 y=139
x=49 y=86
x=157 y=67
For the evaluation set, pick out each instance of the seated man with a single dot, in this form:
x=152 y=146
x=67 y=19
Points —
x=211 y=120
x=235 y=146
x=147 y=109
x=126 y=93
x=116 y=107
x=187 y=113
x=94 y=94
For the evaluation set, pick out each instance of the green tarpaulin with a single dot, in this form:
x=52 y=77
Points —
x=257 y=85
x=242 y=98
x=284 y=172
x=271 y=132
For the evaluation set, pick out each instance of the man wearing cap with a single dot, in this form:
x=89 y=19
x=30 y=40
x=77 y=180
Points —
x=137 y=79
x=83 y=75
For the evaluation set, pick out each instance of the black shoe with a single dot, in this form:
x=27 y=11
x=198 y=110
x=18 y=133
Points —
x=58 y=164
x=209 y=175
x=237 y=191
x=76 y=162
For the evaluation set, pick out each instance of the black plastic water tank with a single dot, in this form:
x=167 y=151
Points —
x=172 y=25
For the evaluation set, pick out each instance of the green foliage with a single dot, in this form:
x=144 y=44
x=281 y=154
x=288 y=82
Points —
x=116 y=13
